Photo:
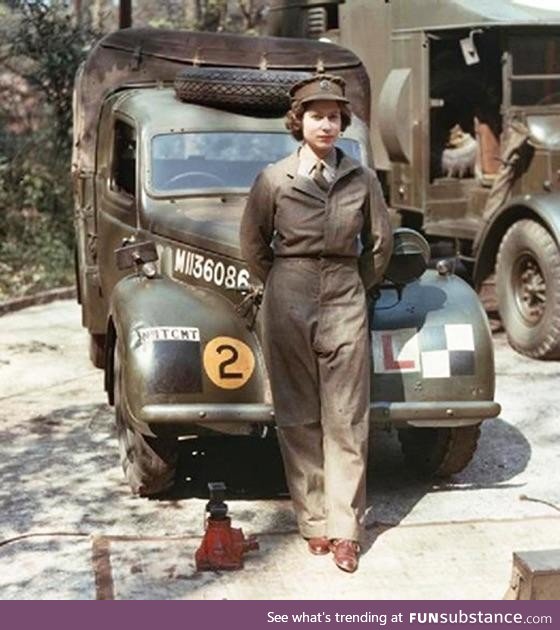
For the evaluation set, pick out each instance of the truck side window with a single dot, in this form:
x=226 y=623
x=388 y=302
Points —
x=124 y=159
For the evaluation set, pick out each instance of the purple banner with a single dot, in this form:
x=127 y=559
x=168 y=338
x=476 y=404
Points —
x=250 y=615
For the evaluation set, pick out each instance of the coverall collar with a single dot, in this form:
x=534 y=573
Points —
x=346 y=165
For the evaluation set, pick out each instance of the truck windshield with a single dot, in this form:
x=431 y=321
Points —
x=535 y=78
x=207 y=160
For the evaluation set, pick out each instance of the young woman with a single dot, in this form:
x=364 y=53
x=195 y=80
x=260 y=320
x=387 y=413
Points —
x=316 y=232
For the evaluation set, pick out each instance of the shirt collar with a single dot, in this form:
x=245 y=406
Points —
x=308 y=160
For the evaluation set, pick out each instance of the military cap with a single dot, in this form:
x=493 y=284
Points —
x=320 y=87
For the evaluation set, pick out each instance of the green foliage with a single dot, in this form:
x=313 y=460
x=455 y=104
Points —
x=53 y=46
x=36 y=229
x=36 y=226
x=239 y=16
x=217 y=15
x=212 y=16
x=35 y=253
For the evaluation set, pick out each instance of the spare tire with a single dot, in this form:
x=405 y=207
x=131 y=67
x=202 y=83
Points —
x=246 y=90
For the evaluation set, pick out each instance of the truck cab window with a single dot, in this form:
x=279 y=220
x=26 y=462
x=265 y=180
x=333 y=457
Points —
x=535 y=75
x=124 y=159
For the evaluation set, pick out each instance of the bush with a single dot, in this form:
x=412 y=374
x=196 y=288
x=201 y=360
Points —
x=36 y=254
x=36 y=220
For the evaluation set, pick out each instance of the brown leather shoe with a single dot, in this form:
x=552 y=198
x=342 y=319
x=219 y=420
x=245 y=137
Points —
x=345 y=553
x=319 y=546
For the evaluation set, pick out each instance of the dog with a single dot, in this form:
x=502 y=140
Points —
x=459 y=157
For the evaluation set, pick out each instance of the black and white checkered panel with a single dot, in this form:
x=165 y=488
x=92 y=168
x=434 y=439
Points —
x=447 y=350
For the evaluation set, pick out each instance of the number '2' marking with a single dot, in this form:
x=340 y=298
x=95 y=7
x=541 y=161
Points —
x=229 y=361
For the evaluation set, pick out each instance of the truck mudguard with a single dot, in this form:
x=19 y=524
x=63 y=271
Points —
x=432 y=354
x=179 y=358
x=543 y=207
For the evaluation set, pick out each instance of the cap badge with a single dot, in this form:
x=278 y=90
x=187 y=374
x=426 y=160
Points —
x=325 y=85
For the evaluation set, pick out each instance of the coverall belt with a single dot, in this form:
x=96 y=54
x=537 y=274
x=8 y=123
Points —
x=319 y=257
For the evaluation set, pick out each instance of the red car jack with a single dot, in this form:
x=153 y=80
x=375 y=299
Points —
x=223 y=546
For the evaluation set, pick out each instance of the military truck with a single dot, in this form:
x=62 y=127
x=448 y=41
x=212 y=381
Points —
x=466 y=134
x=171 y=128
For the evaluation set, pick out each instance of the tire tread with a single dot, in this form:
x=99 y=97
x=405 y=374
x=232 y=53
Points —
x=149 y=464
x=439 y=452
x=546 y=344
x=248 y=90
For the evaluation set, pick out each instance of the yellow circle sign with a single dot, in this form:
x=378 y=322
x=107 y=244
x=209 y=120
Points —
x=228 y=362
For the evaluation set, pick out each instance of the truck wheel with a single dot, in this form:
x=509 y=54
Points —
x=439 y=452
x=528 y=289
x=246 y=90
x=149 y=464
x=97 y=350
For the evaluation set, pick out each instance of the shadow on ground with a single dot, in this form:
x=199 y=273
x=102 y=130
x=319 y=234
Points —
x=250 y=467
x=70 y=457
x=503 y=452
x=61 y=476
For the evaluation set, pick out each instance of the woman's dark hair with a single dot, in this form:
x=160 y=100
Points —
x=294 y=117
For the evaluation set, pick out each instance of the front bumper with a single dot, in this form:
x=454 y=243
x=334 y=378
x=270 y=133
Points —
x=397 y=414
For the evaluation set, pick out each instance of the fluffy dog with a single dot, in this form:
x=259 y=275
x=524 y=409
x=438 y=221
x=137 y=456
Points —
x=459 y=157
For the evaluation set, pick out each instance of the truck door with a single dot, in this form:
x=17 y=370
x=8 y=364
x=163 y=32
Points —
x=403 y=104
x=116 y=187
x=465 y=83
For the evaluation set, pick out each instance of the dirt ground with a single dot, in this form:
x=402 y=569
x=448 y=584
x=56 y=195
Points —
x=69 y=529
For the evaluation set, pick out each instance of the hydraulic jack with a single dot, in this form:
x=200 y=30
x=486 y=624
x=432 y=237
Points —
x=223 y=546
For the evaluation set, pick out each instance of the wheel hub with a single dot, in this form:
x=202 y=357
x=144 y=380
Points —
x=529 y=289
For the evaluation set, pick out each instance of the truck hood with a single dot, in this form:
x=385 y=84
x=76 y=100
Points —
x=210 y=223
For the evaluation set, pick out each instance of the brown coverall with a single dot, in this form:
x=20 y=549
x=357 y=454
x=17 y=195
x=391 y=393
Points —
x=304 y=244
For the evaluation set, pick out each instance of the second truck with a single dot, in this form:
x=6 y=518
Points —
x=466 y=136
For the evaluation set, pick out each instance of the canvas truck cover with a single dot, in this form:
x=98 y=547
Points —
x=139 y=57
x=433 y=15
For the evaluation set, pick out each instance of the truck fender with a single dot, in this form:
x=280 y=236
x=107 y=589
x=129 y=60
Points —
x=543 y=208
x=437 y=313
x=181 y=344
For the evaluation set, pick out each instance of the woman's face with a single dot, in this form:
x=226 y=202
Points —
x=321 y=126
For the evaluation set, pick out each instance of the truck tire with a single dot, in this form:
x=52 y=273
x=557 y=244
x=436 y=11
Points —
x=97 y=350
x=246 y=90
x=149 y=464
x=438 y=452
x=528 y=289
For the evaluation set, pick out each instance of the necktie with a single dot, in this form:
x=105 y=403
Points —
x=319 y=176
